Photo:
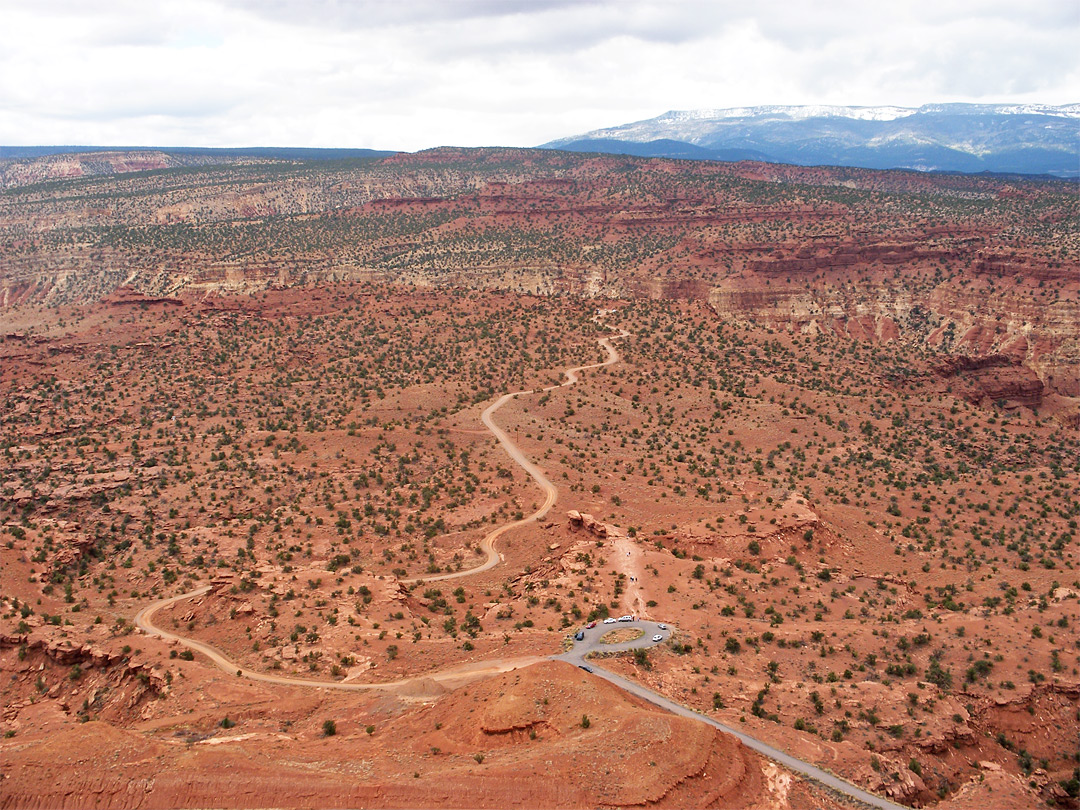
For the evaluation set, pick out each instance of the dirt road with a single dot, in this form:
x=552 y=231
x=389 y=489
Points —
x=443 y=678
x=487 y=545
x=420 y=686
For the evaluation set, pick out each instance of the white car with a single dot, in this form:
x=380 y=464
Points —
x=662 y=626
x=626 y=618
x=610 y=620
x=658 y=637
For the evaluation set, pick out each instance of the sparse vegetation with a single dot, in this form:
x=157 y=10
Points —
x=863 y=525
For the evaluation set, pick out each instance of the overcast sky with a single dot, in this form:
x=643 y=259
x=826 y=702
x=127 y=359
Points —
x=410 y=74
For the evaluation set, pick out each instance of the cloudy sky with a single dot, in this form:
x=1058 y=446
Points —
x=410 y=74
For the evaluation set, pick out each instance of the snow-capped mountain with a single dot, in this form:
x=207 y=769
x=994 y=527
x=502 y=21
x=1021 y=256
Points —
x=1023 y=138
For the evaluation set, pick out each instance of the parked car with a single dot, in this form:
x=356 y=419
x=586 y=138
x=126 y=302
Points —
x=590 y=625
x=658 y=637
x=579 y=635
x=626 y=618
x=610 y=620
x=662 y=626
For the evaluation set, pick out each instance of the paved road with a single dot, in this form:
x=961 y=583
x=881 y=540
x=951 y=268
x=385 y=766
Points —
x=591 y=643
x=576 y=656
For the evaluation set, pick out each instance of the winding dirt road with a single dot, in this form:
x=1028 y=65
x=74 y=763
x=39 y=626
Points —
x=144 y=618
x=419 y=686
x=487 y=545
x=432 y=684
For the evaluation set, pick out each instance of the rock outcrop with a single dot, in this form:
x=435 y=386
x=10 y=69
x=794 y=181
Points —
x=581 y=520
x=994 y=378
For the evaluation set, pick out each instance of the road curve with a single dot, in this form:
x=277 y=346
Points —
x=576 y=656
x=591 y=642
x=487 y=545
x=144 y=620
x=452 y=675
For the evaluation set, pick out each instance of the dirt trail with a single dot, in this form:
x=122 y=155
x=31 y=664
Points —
x=628 y=558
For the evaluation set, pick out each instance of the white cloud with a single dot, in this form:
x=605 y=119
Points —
x=415 y=74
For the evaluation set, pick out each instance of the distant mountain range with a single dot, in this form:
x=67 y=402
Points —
x=1005 y=138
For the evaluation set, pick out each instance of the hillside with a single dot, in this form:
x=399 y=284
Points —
x=880 y=254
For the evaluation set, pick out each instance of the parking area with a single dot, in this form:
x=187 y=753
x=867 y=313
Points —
x=588 y=639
